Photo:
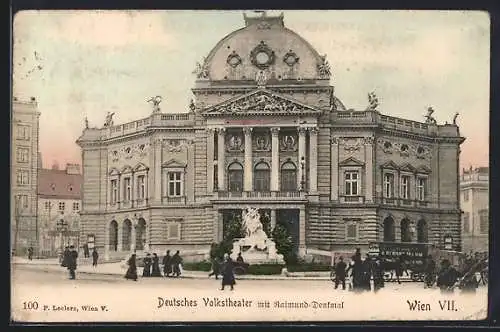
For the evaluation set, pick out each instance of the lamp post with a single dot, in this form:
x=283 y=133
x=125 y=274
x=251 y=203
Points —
x=62 y=228
x=302 y=180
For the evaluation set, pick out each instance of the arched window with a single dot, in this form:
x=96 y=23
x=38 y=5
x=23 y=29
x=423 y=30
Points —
x=113 y=236
x=126 y=234
x=422 y=231
x=140 y=234
x=235 y=177
x=389 y=233
x=262 y=177
x=288 y=177
x=405 y=231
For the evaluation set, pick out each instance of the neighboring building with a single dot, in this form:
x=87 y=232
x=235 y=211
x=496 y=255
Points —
x=24 y=162
x=474 y=201
x=267 y=131
x=59 y=204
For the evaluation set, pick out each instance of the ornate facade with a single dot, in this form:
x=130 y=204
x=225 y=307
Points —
x=266 y=130
x=24 y=163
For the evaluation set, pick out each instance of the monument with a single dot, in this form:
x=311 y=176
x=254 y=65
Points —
x=255 y=247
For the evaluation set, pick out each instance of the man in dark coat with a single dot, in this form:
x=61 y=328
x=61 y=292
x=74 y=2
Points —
x=340 y=273
x=86 y=252
x=227 y=272
x=65 y=257
x=95 y=257
x=167 y=264
x=132 y=268
x=30 y=253
x=357 y=272
x=156 y=272
x=378 y=274
x=398 y=267
x=216 y=265
x=367 y=273
x=72 y=262
x=447 y=277
x=147 y=266
x=176 y=262
x=430 y=272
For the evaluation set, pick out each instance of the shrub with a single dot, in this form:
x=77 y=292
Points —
x=308 y=267
x=265 y=269
x=284 y=244
x=198 y=266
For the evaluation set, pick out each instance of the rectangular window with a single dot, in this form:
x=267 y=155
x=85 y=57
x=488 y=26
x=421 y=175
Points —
x=388 y=185
x=76 y=206
x=421 y=188
x=466 y=196
x=62 y=206
x=483 y=221
x=351 y=231
x=174 y=184
x=22 y=155
x=23 y=132
x=23 y=201
x=141 y=187
x=126 y=187
x=23 y=177
x=114 y=191
x=351 y=183
x=174 y=231
x=466 y=219
x=405 y=187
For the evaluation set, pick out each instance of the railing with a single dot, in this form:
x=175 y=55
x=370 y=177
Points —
x=276 y=195
x=352 y=199
x=403 y=202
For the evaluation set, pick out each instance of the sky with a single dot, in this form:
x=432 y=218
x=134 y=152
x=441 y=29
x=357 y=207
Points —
x=85 y=63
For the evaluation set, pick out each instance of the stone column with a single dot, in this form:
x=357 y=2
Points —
x=132 y=189
x=221 y=167
x=313 y=160
x=369 y=168
x=275 y=163
x=157 y=170
x=119 y=191
x=120 y=237
x=302 y=156
x=210 y=160
x=248 y=170
x=146 y=187
x=302 y=232
x=273 y=219
x=334 y=171
x=220 y=226
x=133 y=236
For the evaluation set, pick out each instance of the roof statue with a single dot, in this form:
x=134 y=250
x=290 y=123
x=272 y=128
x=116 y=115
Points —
x=455 y=118
x=155 y=101
x=86 y=123
x=192 y=106
x=109 y=120
x=372 y=101
x=201 y=69
x=324 y=68
x=429 y=118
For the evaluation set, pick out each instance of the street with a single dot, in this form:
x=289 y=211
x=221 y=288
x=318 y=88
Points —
x=190 y=299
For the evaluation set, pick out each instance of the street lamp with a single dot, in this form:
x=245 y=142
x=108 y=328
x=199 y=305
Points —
x=62 y=227
x=302 y=180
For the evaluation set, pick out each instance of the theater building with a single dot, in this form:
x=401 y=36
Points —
x=266 y=130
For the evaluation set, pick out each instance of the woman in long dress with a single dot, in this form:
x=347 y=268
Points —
x=227 y=273
x=132 y=268
x=156 y=266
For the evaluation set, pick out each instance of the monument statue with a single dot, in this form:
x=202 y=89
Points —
x=255 y=247
x=155 y=101
x=429 y=118
x=109 y=120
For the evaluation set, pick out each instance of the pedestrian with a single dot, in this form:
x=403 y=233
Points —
x=447 y=277
x=227 y=272
x=367 y=273
x=95 y=257
x=176 y=263
x=30 y=253
x=146 y=272
x=357 y=272
x=167 y=264
x=398 y=268
x=72 y=262
x=156 y=272
x=132 y=268
x=215 y=268
x=378 y=275
x=239 y=259
x=86 y=251
x=340 y=273
x=65 y=257
x=430 y=272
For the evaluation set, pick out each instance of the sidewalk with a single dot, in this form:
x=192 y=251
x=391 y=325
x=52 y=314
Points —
x=119 y=269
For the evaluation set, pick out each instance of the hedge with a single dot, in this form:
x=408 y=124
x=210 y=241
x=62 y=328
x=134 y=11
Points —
x=263 y=269
x=198 y=266
x=308 y=267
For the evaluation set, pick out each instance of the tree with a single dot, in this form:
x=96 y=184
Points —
x=233 y=229
x=284 y=244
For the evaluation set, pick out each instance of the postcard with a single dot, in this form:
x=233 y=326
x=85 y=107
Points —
x=249 y=166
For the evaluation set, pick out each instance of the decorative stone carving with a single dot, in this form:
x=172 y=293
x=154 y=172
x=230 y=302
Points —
x=109 y=120
x=155 y=102
x=324 y=68
x=429 y=118
x=234 y=60
x=288 y=143
x=174 y=145
x=275 y=131
x=234 y=143
x=201 y=69
x=261 y=79
x=313 y=130
x=263 y=102
x=262 y=143
x=351 y=144
x=368 y=140
x=262 y=56
x=129 y=152
x=291 y=59
x=372 y=102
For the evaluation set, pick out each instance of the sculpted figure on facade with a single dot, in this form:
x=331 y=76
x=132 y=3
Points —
x=109 y=120
x=260 y=103
x=455 y=118
x=288 y=143
x=201 y=69
x=372 y=102
x=86 y=123
x=428 y=117
x=235 y=143
x=155 y=102
x=324 y=68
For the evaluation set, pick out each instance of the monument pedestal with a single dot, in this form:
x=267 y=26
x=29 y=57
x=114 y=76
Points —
x=256 y=251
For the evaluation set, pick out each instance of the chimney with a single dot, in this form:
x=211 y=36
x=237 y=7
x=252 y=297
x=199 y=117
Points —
x=72 y=168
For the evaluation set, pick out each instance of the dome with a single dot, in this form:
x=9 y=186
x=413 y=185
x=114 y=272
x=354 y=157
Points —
x=263 y=47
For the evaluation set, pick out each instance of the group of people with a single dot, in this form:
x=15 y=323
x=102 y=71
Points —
x=69 y=259
x=172 y=266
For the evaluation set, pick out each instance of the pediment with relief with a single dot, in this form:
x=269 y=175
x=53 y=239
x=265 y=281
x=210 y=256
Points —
x=173 y=164
x=262 y=102
x=351 y=162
